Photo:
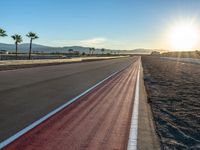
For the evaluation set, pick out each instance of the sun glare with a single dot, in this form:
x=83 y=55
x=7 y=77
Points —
x=184 y=37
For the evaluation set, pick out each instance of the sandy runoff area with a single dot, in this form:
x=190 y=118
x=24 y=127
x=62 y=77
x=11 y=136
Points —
x=174 y=95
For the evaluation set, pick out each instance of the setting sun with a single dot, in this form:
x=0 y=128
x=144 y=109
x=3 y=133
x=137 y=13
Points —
x=184 y=36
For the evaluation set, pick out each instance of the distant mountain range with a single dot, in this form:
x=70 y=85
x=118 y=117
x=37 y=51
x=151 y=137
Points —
x=41 y=48
x=47 y=49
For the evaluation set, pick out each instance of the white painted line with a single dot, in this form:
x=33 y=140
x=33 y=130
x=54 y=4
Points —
x=132 y=141
x=36 y=123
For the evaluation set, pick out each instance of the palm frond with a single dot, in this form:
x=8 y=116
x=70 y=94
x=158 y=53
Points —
x=32 y=35
x=17 y=38
x=2 y=33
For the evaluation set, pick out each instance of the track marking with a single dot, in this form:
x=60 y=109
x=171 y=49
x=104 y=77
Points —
x=36 y=123
x=132 y=141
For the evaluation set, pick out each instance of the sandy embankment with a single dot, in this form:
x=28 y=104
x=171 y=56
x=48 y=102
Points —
x=146 y=126
x=173 y=90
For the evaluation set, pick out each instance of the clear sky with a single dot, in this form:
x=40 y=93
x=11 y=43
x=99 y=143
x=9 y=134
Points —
x=115 y=24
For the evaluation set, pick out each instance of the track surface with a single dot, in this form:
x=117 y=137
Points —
x=98 y=120
x=28 y=94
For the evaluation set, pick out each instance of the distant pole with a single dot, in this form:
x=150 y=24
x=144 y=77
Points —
x=16 y=50
x=30 y=48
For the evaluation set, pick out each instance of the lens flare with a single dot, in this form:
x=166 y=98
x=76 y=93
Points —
x=184 y=36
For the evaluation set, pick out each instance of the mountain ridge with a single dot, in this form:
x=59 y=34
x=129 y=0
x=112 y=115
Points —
x=49 y=49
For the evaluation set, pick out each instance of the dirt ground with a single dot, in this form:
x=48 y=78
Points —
x=174 y=95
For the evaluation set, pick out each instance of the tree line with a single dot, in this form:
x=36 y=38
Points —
x=32 y=36
x=91 y=50
x=18 y=39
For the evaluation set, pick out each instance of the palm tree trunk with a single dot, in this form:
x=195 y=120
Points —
x=16 y=48
x=30 y=49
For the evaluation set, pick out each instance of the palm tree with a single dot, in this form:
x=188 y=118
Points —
x=90 y=50
x=32 y=37
x=70 y=50
x=18 y=39
x=93 y=49
x=2 y=33
x=102 y=50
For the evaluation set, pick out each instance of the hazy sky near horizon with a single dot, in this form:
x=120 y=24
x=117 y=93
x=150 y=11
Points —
x=115 y=24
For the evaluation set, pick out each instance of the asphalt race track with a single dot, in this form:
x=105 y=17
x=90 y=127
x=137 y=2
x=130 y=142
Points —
x=98 y=120
x=28 y=94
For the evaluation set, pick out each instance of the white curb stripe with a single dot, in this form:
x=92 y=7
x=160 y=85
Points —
x=36 y=123
x=132 y=141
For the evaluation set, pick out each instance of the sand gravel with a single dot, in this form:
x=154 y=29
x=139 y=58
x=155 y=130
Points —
x=174 y=94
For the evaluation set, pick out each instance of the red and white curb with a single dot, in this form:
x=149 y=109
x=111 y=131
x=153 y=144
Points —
x=132 y=141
